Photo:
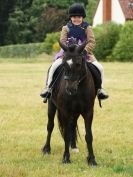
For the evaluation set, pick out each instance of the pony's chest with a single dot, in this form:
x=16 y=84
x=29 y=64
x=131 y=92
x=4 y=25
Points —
x=73 y=104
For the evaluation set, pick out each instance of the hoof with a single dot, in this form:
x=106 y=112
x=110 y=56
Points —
x=46 y=150
x=92 y=162
x=66 y=161
x=75 y=150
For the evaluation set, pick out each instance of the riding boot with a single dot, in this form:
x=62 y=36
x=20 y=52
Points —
x=46 y=93
x=101 y=94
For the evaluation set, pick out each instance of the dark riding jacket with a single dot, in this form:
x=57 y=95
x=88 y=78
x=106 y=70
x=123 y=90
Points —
x=80 y=32
x=77 y=31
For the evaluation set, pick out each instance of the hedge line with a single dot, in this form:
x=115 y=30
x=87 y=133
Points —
x=106 y=36
x=20 y=50
x=123 y=50
x=114 y=42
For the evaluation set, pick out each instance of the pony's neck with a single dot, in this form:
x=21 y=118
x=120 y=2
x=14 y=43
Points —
x=83 y=73
x=84 y=67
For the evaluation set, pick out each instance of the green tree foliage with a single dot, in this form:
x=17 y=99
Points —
x=65 y=3
x=30 y=20
x=106 y=36
x=123 y=50
x=22 y=22
x=47 y=45
x=90 y=10
x=50 y=23
x=5 y=8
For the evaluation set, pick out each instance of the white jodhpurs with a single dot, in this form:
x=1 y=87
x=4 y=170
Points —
x=52 y=69
x=58 y=62
x=100 y=68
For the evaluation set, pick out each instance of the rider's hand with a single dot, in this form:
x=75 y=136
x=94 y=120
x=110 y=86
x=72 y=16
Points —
x=84 y=52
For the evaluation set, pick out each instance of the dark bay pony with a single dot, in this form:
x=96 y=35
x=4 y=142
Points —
x=73 y=95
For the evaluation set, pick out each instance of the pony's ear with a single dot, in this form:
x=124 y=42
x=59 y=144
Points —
x=81 y=47
x=63 y=46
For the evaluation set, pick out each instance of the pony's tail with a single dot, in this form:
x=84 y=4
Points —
x=61 y=125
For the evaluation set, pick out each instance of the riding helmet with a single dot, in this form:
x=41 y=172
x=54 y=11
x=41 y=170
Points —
x=76 y=10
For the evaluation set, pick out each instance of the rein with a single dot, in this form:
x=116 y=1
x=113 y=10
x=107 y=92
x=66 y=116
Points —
x=82 y=78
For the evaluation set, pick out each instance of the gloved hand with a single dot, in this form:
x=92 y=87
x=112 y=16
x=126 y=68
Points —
x=85 y=53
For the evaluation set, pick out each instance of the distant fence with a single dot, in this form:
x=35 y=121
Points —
x=20 y=50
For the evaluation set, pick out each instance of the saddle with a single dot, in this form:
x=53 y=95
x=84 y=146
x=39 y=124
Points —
x=96 y=75
x=92 y=68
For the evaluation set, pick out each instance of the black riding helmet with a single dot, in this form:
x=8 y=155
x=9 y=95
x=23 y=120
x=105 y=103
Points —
x=76 y=10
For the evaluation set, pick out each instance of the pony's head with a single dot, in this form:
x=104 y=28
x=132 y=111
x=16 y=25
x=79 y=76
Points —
x=73 y=61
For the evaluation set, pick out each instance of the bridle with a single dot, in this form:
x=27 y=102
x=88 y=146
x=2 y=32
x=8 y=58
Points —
x=66 y=77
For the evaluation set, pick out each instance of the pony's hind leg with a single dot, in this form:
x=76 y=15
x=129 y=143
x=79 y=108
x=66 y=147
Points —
x=50 y=125
x=89 y=138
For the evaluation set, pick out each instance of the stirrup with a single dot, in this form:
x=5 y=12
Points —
x=101 y=94
x=45 y=100
x=45 y=92
x=46 y=97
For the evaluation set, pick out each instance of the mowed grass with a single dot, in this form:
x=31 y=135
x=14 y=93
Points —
x=23 y=124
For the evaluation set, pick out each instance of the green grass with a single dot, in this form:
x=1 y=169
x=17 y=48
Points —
x=23 y=120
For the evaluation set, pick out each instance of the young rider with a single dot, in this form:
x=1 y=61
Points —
x=80 y=30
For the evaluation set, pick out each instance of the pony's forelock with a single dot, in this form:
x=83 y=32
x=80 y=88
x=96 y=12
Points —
x=72 y=47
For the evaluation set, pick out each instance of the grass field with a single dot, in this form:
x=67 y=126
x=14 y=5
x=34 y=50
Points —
x=23 y=119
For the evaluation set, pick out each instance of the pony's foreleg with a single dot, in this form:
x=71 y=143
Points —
x=66 y=155
x=50 y=125
x=73 y=139
x=89 y=138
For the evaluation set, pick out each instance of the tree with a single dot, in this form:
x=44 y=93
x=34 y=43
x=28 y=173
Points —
x=65 y=3
x=22 y=21
x=123 y=50
x=90 y=10
x=6 y=7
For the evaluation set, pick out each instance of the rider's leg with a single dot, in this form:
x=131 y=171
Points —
x=100 y=93
x=47 y=91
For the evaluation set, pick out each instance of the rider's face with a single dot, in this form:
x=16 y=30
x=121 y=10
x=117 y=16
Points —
x=77 y=20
